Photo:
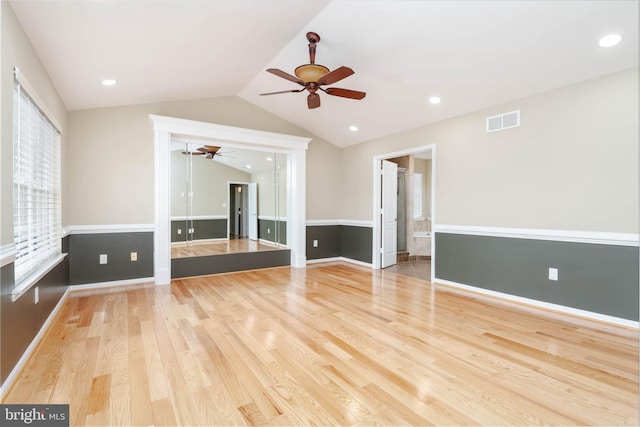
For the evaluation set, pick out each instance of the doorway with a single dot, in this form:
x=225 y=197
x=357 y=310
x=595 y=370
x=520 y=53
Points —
x=167 y=129
x=415 y=170
x=243 y=211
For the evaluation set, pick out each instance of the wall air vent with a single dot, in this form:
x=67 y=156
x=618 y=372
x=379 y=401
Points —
x=503 y=121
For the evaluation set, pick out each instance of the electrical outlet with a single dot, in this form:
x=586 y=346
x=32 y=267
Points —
x=553 y=274
x=103 y=258
x=179 y=230
x=134 y=256
x=268 y=231
x=37 y=295
x=315 y=243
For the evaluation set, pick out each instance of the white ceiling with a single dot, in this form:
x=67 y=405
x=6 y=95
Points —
x=473 y=54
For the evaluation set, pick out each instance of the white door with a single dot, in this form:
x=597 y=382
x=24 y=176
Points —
x=389 y=213
x=253 y=211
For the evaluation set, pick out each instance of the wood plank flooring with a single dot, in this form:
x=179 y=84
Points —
x=331 y=344
x=181 y=250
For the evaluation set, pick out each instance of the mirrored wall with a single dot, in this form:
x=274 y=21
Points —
x=226 y=200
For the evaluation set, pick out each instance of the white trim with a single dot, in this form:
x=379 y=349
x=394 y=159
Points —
x=112 y=284
x=15 y=372
x=184 y=130
x=167 y=129
x=29 y=281
x=195 y=218
x=24 y=84
x=356 y=223
x=594 y=237
x=339 y=258
x=7 y=254
x=274 y=244
x=185 y=243
x=539 y=304
x=108 y=228
x=347 y=222
x=322 y=222
x=272 y=218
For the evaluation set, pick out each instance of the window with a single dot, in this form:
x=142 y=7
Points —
x=416 y=185
x=36 y=183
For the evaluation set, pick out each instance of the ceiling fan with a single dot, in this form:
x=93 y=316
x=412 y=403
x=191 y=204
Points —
x=209 y=151
x=313 y=76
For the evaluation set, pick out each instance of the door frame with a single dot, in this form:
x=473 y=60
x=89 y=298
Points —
x=377 y=191
x=166 y=129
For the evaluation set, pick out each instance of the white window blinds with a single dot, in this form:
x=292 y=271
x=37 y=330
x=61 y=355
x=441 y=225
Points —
x=36 y=184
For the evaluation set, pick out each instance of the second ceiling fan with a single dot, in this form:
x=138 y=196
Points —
x=313 y=76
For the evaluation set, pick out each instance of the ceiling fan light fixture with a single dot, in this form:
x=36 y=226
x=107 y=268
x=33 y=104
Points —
x=310 y=72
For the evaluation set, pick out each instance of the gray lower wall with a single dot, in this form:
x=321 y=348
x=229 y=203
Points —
x=20 y=321
x=214 y=264
x=202 y=229
x=267 y=230
x=347 y=241
x=85 y=250
x=356 y=243
x=593 y=277
x=328 y=237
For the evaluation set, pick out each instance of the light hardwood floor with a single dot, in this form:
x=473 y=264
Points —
x=330 y=344
x=230 y=246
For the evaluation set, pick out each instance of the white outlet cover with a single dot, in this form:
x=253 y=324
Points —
x=103 y=258
x=553 y=273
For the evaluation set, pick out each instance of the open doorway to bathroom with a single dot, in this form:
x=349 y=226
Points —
x=415 y=199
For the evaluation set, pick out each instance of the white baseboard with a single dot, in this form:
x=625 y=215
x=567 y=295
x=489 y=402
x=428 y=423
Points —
x=539 y=304
x=15 y=372
x=339 y=258
x=113 y=284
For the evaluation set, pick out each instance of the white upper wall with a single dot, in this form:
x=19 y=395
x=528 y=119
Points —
x=571 y=165
x=110 y=164
x=16 y=51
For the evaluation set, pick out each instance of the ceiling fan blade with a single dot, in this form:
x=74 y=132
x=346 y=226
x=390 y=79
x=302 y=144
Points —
x=283 y=91
x=286 y=76
x=313 y=100
x=211 y=148
x=345 y=93
x=335 y=75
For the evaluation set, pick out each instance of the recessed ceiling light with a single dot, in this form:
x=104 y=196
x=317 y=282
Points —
x=353 y=128
x=108 y=82
x=434 y=100
x=610 y=40
x=269 y=159
x=247 y=166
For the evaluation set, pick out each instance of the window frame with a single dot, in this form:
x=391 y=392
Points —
x=46 y=218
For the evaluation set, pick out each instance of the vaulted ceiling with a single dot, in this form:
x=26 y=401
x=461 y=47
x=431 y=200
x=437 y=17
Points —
x=471 y=54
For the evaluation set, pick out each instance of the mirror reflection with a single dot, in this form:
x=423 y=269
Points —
x=226 y=200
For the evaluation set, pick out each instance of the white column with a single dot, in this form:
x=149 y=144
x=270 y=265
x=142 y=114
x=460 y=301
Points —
x=296 y=206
